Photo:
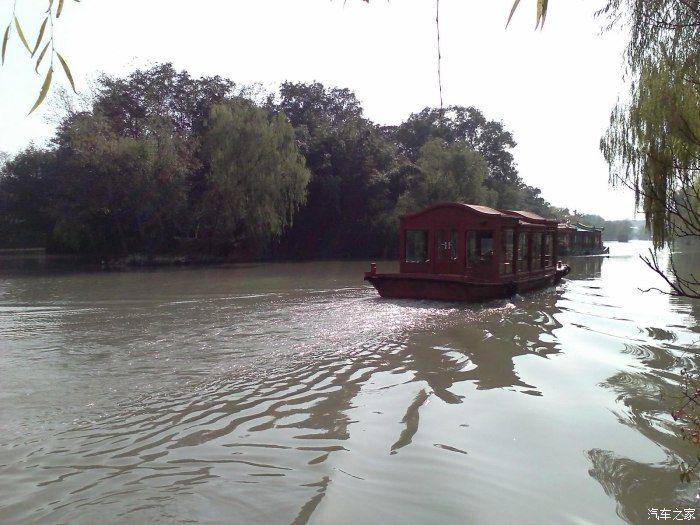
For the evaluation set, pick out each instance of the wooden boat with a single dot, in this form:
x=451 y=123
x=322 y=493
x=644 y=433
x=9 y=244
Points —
x=466 y=252
x=579 y=239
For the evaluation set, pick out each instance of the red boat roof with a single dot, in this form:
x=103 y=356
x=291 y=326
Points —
x=482 y=210
x=530 y=218
x=486 y=210
x=526 y=214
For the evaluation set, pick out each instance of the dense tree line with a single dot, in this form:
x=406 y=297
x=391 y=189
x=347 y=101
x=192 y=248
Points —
x=160 y=163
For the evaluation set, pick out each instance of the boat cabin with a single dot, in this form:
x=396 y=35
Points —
x=477 y=242
x=579 y=239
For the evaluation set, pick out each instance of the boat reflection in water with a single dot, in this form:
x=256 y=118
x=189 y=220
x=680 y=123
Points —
x=585 y=267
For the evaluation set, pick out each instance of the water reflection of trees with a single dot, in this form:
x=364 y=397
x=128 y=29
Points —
x=636 y=486
x=687 y=266
x=649 y=396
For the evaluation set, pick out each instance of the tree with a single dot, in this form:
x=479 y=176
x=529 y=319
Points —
x=161 y=94
x=162 y=98
x=115 y=194
x=257 y=176
x=24 y=199
x=350 y=205
x=488 y=137
x=447 y=173
x=653 y=143
x=157 y=163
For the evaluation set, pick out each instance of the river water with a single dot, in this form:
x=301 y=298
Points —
x=291 y=393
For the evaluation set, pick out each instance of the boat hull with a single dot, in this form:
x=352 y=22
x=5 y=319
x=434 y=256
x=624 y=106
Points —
x=455 y=287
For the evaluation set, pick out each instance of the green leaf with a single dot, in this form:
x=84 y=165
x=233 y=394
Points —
x=44 y=90
x=21 y=35
x=4 y=42
x=512 y=11
x=541 y=13
x=60 y=8
x=41 y=35
x=66 y=69
x=50 y=6
x=41 y=56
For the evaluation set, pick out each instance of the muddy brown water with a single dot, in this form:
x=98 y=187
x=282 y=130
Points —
x=291 y=393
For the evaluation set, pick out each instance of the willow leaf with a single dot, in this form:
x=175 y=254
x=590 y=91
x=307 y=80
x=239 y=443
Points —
x=41 y=35
x=512 y=11
x=44 y=90
x=4 y=42
x=50 y=6
x=41 y=56
x=60 y=8
x=541 y=13
x=66 y=69
x=21 y=35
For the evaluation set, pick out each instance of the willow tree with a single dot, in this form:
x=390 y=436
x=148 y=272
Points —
x=257 y=177
x=653 y=143
x=447 y=172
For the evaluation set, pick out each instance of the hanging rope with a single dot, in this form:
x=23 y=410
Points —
x=439 y=55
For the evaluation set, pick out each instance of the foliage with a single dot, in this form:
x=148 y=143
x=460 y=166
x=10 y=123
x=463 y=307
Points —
x=447 y=173
x=653 y=142
x=257 y=178
x=117 y=193
x=653 y=146
x=160 y=163
x=352 y=164
x=541 y=12
x=45 y=42
x=488 y=137
x=160 y=94
x=143 y=169
x=24 y=202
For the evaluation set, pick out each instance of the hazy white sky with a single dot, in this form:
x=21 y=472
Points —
x=553 y=89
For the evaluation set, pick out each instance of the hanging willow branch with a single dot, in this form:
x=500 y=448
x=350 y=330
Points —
x=55 y=9
x=45 y=40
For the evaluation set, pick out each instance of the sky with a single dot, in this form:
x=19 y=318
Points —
x=553 y=89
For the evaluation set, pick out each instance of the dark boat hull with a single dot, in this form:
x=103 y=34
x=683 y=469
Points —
x=455 y=287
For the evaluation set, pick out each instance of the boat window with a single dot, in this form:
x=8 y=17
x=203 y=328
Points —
x=453 y=246
x=523 y=252
x=416 y=246
x=486 y=247
x=472 y=257
x=537 y=251
x=479 y=248
x=548 y=250
x=507 y=251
